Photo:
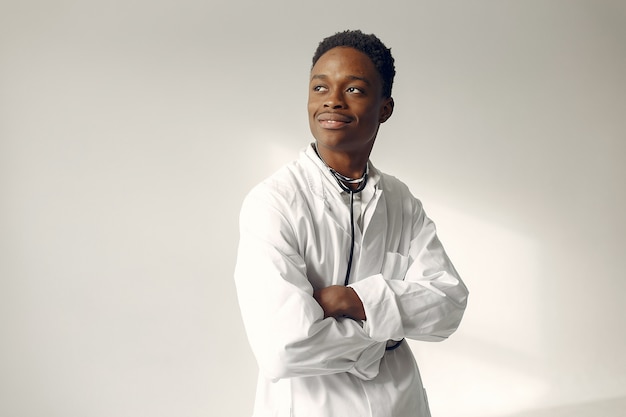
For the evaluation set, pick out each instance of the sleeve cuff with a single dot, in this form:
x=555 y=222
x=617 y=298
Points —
x=383 y=321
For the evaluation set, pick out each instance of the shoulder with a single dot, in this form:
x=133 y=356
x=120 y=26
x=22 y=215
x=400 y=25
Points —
x=398 y=193
x=285 y=184
x=393 y=185
x=279 y=194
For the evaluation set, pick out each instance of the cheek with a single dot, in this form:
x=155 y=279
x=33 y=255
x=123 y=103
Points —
x=311 y=106
x=371 y=116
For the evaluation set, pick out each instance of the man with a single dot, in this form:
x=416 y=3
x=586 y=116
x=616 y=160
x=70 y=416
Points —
x=338 y=262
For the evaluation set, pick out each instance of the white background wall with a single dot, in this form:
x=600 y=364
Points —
x=131 y=130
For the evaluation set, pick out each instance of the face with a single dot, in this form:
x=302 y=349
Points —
x=345 y=104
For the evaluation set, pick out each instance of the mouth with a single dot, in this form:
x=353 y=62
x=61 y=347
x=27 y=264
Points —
x=331 y=120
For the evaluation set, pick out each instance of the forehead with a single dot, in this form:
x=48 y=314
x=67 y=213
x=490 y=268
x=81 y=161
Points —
x=345 y=61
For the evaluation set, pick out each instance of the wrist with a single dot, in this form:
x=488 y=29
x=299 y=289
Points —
x=353 y=305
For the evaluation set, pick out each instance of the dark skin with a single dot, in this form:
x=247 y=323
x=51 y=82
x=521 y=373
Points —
x=346 y=107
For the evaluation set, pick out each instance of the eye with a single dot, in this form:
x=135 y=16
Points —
x=354 y=90
x=319 y=88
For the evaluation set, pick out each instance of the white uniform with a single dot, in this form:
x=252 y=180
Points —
x=295 y=238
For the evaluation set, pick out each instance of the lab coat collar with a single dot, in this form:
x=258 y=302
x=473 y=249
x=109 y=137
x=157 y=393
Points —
x=321 y=179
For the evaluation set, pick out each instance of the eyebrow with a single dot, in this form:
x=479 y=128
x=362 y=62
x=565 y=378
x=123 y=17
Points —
x=350 y=77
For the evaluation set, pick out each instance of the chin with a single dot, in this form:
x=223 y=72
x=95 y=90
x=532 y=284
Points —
x=332 y=139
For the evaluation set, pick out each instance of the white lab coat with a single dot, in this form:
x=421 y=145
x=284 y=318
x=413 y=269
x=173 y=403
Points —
x=295 y=238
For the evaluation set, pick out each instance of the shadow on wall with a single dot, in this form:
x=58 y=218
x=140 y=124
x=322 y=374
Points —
x=613 y=407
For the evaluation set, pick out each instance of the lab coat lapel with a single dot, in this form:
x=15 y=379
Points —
x=374 y=236
x=324 y=187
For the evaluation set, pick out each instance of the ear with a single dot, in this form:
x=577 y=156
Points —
x=386 y=110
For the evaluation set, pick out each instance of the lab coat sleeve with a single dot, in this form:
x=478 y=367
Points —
x=285 y=325
x=418 y=295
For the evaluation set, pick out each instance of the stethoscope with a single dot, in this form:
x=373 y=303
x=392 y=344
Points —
x=345 y=183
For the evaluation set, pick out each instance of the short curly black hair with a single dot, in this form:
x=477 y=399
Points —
x=370 y=45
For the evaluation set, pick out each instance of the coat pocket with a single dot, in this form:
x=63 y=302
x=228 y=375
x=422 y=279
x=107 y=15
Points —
x=395 y=265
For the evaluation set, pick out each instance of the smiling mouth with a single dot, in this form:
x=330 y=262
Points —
x=333 y=120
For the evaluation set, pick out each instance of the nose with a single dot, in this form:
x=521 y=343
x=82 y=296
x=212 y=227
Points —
x=335 y=100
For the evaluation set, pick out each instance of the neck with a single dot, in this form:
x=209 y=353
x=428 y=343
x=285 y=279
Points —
x=345 y=163
x=352 y=176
